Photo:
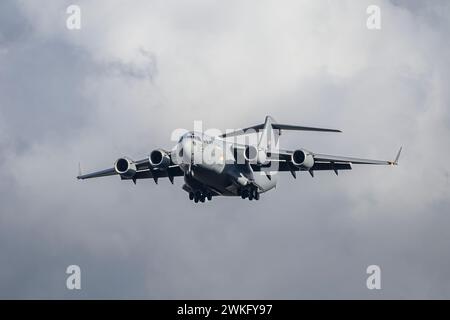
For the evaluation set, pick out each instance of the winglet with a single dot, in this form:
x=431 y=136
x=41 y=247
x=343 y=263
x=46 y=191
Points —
x=79 y=171
x=395 y=162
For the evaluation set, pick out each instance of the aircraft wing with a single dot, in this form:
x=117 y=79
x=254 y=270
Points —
x=321 y=162
x=140 y=165
x=98 y=174
x=339 y=159
x=143 y=171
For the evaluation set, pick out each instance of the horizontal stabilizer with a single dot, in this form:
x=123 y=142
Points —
x=301 y=128
x=277 y=126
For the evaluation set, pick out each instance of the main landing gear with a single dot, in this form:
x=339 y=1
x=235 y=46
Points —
x=200 y=196
x=250 y=193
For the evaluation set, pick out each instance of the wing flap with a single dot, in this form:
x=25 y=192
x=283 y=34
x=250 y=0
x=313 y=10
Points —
x=320 y=166
x=174 y=171
x=329 y=158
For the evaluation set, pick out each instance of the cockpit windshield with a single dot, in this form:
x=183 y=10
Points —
x=193 y=135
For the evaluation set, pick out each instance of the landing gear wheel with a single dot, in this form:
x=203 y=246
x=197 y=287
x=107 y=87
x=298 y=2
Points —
x=256 y=195
x=202 y=199
x=191 y=196
x=209 y=196
x=245 y=194
x=197 y=196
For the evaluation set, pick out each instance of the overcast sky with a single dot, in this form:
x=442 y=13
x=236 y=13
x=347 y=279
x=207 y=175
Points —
x=136 y=71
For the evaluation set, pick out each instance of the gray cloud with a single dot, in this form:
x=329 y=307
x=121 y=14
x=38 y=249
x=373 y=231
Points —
x=132 y=74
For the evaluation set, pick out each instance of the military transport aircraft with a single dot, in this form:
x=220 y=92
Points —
x=215 y=166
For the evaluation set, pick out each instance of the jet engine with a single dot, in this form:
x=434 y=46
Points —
x=125 y=167
x=159 y=159
x=302 y=158
x=254 y=155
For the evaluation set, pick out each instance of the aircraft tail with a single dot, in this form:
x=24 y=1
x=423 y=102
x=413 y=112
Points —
x=269 y=136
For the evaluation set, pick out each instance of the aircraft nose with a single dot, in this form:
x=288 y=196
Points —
x=186 y=146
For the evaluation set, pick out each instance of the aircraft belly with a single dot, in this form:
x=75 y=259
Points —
x=213 y=179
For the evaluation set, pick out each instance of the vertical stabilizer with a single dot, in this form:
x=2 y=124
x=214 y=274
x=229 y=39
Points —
x=269 y=135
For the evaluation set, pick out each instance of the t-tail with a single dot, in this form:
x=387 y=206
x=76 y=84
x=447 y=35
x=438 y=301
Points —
x=271 y=130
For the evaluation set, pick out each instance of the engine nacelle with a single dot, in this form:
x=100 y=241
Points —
x=159 y=159
x=125 y=167
x=302 y=158
x=254 y=155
